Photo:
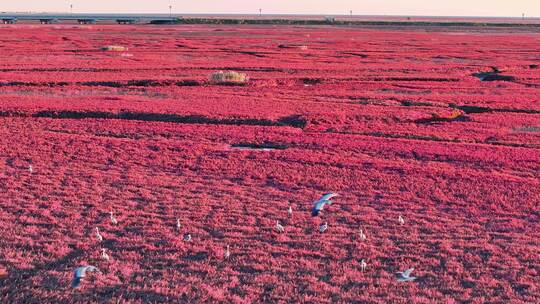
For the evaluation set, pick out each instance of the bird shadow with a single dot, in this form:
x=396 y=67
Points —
x=12 y=283
x=61 y=263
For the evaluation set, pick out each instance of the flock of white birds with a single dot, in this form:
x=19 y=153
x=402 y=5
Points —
x=318 y=206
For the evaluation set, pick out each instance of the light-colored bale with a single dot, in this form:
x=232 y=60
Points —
x=114 y=48
x=229 y=77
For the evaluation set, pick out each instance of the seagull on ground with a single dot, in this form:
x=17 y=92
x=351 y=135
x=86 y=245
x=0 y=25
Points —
x=113 y=219
x=104 y=255
x=289 y=211
x=401 y=220
x=98 y=235
x=80 y=273
x=363 y=236
x=187 y=237
x=363 y=265
x=178 y=225
x=323 y=227
x=227 y=253
x=279 y=227
x=405 y=276
x=319 y=204
x=30 y=169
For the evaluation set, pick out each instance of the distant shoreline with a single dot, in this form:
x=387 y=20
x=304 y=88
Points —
x=273 y=15
x=351 y=22
x=237 y=19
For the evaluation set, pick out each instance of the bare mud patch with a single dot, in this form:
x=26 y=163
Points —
x=266 y=146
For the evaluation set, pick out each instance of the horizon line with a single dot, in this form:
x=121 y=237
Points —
x=266 y=14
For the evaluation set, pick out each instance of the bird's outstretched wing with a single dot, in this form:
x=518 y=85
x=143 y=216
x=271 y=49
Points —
x=407 y=273
x=328 y=196
x=80 y=272
x=319 y=204
x=407 y=279
x=317 y=207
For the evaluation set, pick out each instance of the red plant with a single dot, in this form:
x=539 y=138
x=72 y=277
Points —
x=393 y=120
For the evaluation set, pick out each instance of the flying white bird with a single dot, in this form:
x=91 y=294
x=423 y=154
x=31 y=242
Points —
x=178 y=225
x=227 y=253
x=187 y=237
x=401 y=220
x=405 y=276
x=323 y=227
x=30 y=169
x=319 y=204
x=113 y=219
x=80 y=273
x=279 y=227
x=289 y=211
x=98 y=235
x=363 y=236
x=363 y=265
x=104 y=255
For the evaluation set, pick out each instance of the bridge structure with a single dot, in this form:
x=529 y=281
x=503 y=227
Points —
x=49 y=18
x=234 y=19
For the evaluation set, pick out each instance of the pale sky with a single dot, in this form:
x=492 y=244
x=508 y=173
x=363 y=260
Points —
x=510 y=8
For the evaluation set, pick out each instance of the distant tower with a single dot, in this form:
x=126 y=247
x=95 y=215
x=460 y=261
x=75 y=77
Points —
x=523 y=16
x=71 y=8
x=260 y=12
x=170 y=10
x=350 y=12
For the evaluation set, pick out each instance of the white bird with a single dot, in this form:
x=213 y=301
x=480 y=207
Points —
x=187 y=237
x=363 y=265
x=289 y=211
x=363 y=236
x=405 y=276
x=113 y=219
x=319 y=204
x=227 y=253
x=104 y=255
x=323 y=227
x=178 y=225
x=98 y=235
x=30 y=168
x=279 y=227
x=80 y=273
x=401 y=220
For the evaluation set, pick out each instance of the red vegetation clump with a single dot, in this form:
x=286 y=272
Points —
x=393 y=120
